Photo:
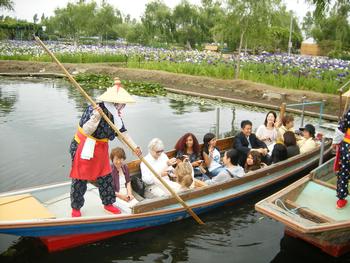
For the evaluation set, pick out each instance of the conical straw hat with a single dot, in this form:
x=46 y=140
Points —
x=116 y=94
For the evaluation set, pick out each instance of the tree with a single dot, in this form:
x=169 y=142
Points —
x=43 y=18
x=186 y=19
x=106 y=19
x=6 y=4
x=308 y=22
x=210 y=13
x=35 y=18
x=321 y=6
x=75 y=19
x=250 y=19
x=157 y=21
x=332 y=31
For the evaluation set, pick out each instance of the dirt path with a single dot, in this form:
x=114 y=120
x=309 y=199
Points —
x=235 y=89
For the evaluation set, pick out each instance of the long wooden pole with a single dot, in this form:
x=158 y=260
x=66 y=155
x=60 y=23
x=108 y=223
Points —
x=120 y=135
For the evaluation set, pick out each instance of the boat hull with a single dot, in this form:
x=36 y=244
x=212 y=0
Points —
x=62 y=233
x=61 y=242
x=332 y=246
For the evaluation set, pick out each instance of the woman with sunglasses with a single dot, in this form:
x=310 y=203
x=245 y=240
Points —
x=162 y=165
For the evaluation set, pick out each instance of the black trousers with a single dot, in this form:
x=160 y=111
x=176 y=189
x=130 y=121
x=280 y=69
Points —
x=343 y=174
x=105 y=187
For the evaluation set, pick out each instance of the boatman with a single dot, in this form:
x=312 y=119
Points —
x=342 y=161
x=89 y=148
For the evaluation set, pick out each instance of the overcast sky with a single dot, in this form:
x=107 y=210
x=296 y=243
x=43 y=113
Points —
x=25 y=9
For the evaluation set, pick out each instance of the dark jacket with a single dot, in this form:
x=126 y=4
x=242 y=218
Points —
x=115 y=175
x=241 y=145
x=292 y=150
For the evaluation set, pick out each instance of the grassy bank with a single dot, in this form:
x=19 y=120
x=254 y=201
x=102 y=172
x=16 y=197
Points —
x=286 y=76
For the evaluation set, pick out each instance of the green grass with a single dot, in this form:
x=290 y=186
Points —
x=70 y=58
x=275 y=75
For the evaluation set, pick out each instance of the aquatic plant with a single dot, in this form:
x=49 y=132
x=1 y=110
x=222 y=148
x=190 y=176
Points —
x=102 y=81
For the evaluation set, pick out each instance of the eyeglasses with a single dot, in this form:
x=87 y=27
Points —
x=160 y=151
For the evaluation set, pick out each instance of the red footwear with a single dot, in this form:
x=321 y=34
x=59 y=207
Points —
x=76 y=213
x=341 y=203
x=112 y=209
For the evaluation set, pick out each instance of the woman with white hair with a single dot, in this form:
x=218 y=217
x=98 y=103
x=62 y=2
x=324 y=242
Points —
x=162 y=165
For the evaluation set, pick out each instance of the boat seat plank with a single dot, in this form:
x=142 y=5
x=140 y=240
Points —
x=22 y=207
x=311 y=215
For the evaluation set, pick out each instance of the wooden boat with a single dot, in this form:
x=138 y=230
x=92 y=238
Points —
x=44 y=211
x=307 y=209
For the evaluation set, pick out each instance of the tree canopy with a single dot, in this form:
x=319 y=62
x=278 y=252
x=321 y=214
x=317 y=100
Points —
x=247 y=24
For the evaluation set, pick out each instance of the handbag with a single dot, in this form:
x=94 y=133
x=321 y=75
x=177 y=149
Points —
x=138 y=185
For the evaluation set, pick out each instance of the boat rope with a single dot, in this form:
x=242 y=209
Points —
x=293 y=211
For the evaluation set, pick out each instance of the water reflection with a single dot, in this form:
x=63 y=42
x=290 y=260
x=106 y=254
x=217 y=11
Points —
x=180 y=107
x=7 y=101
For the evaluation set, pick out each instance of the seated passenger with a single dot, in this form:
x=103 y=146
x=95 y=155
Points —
x=246 y=141
x=211 y=155
x=162 y=165
x=267 y=132
x=253 y=162
x=307 y=143
x=183 y=173
x=279 y=153
x=231 y=169
x=121 y=179
x=287 y=125
x=187 y=146
x=291 y=143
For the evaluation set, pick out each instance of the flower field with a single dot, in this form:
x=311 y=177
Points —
x=297 y=72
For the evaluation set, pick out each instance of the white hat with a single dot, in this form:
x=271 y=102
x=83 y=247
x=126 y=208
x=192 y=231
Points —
x=116 y=94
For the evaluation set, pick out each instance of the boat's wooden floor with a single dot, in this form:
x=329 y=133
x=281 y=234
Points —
x=61 y=208
x=322 y=200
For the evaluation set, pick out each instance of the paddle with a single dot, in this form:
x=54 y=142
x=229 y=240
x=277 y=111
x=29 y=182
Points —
x=120 y=135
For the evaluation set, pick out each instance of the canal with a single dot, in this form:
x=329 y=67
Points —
x=38 y=118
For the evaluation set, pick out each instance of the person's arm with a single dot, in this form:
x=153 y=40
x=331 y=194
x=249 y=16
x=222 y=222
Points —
x=90 y=126
x=128 y=187
x=259 y=133
x=207 y=159
x=137 y=151
x=146 y=174
x=121 y=196
x=338 y=136
x=260 y=143
x=239 y=172
x=221 y=177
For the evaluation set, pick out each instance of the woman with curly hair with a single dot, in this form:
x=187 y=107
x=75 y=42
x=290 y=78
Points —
x=188 y=147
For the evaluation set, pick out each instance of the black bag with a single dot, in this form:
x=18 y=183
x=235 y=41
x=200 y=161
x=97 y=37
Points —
x=138 y=185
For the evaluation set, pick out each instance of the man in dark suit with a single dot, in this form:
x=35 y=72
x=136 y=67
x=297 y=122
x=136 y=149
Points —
x=246 y=141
